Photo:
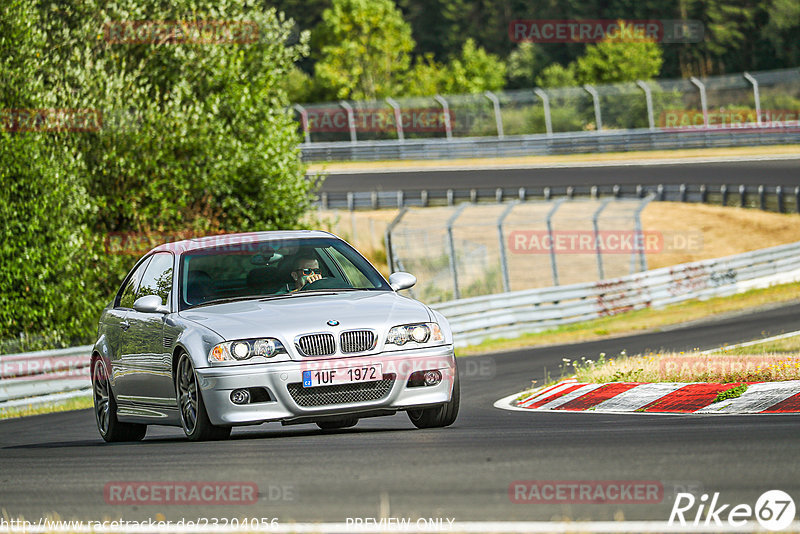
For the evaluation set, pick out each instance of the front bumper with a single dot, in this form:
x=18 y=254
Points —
x=282 y=379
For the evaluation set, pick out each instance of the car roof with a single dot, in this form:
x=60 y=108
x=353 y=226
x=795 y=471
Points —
x=179 y=247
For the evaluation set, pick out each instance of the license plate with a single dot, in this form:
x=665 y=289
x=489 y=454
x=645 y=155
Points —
x=344 y=375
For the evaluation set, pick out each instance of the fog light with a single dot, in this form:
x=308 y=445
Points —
x=240 y=396
x=432 y=378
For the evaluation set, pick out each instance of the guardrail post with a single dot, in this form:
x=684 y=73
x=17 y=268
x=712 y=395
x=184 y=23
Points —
x=390 y=257
x=742 y=196
x=304 y=121
x=598 y=248
x=547 y=193
x=703 y=103
x=723 y=191
x=351 y=204
x=398 y=118
x=502 y=243
x=448 y=128
x=473 y=195
x=593 y=192
x=401 y=200
x=522 y=194
x=452 y=245
x=374 y=200
x=498 y=195
x=615 y=190
x=548 y=123
x=498 y=117
x=549 y=222
x=639 y=191
x=351 y=121
x=323 y=197
x=596 y=100
x=637 y=219
x=450 y=198
x=797 y=199
x=648 y=97
x=762 y=198
x=779 y=198
x=756 y=96
x=660 y=190
x=703 y=193
x=423 y=198
x=683 y=193
x=570 y=192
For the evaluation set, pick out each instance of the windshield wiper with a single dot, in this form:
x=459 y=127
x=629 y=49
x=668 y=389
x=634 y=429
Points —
x=227 y=299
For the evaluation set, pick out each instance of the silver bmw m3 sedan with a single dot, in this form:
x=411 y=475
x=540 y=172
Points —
x=242 y=329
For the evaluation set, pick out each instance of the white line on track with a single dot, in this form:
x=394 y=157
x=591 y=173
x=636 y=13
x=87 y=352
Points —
x=751 y=343
x=566 y=165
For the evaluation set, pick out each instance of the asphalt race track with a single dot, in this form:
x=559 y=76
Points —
x=785 y=172
x=57 y=464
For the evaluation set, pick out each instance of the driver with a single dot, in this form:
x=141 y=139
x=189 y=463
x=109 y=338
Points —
x=306 y=271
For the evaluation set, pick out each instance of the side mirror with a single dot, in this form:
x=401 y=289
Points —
x=150 y=304
x=401 y=280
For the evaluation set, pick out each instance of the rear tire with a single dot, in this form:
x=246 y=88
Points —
x=439 y=416
x=105 y=409
x=335 y=424
x=194 y=418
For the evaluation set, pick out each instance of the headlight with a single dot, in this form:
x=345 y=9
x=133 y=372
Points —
x=416 y=333
x=244 y=349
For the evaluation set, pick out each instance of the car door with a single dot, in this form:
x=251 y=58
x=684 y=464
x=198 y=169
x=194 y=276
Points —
x=117 y=324
x=148 y=364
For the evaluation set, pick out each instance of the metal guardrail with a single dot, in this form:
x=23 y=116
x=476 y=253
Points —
x=545 y=144
x=512 y=314
x=765 y=197
x=35 y=378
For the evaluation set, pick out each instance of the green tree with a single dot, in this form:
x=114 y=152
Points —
x=556 y=75
x=624 y=57
x=363 y=49
x=474 y=71
x=524 y=63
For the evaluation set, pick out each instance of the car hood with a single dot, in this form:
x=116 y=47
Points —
x=285 y=318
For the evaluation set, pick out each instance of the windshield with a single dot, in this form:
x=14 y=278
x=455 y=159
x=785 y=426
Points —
x=272 y=268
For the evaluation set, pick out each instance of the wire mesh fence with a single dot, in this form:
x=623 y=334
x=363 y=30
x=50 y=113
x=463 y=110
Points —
x=481 y=249
x=768 y=99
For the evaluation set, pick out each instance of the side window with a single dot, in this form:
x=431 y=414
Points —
x=157 y=279
x=128 y=294
x=355 y=276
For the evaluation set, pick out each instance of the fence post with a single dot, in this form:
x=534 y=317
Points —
x=595 y=225
x=548 y=124
x=398 y=118
x=723 y=191
x=549 y=222
x=762 y=198
x=797 y=199
x=498 y=117
x=304 y=120
x=779 y=198
x=637 y=218
x=351 y=121
x=742 y=196
x=390 y=259
x=648 y=97
x=448 y=129
x=502 y=242
x=452 y=245
x=703 y=103
x=596 y=100
x=756 y=96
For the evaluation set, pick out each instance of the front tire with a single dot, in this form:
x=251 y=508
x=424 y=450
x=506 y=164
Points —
x=194 y=418
x=335 y=424
x=105 y=409
x=439 y=416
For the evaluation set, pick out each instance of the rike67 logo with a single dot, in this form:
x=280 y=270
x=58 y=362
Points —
x=774 y=510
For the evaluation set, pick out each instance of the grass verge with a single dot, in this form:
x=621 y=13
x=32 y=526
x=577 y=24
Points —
x=649 y=319
x=79 y=403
